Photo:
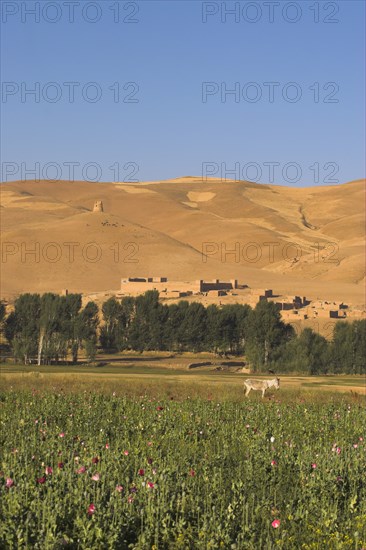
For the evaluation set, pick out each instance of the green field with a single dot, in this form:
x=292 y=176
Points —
x=161 y=375
x=142 y=453
x=94 y=471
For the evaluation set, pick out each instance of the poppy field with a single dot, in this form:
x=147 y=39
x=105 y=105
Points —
x=91 y=471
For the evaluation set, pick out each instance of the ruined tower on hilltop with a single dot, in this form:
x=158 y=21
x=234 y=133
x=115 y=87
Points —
x=98 y=206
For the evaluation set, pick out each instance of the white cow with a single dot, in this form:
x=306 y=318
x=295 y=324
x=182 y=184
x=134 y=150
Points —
x=261 y=385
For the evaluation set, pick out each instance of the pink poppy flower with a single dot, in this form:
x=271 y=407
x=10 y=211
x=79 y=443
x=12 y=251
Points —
x=360 y=438
x=96 y=477
x=313 y=466
x=273 y=463
x=191 y=473
x=141 y=472
x=119 y=488
x=276 y=523
x=81 y=470
x=159 y=408
x=61 y=434
x=107 y=445
x=41 y=480
x=149 y=443
x=91 y=510
x=48 y=471
x=9 y=482
x=126 y=453
x=338 y=450
x=150 y=485
x=355 y=445
x=60 y=465
x=130 y=500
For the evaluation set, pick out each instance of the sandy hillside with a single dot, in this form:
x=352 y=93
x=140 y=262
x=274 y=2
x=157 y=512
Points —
x=292 y=240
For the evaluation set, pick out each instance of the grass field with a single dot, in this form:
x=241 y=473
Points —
x=137 y=454
x=163 y=376
x=85 y=470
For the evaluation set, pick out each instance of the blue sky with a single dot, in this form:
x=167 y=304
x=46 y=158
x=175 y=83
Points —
x=168 y=122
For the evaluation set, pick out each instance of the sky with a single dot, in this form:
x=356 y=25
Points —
x=266 y=91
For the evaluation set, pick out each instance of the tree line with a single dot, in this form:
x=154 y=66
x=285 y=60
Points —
x=52 y=328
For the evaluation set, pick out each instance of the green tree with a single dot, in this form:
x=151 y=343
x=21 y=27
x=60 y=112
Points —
x=53 y=329
x=110 y=330
x=348 y=349
x=266 y=334
x=90 y=350
x=226 y=330
x=87 y=326
x=175 y=325
x=243 y=314
x=2 y=314
x=71 y=322
x=306 y=354
x=147 y=330
x=22 y=326
x=192 y=332
x=212 y=339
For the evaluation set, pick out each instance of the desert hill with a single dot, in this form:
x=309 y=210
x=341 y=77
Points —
x=297 y=240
